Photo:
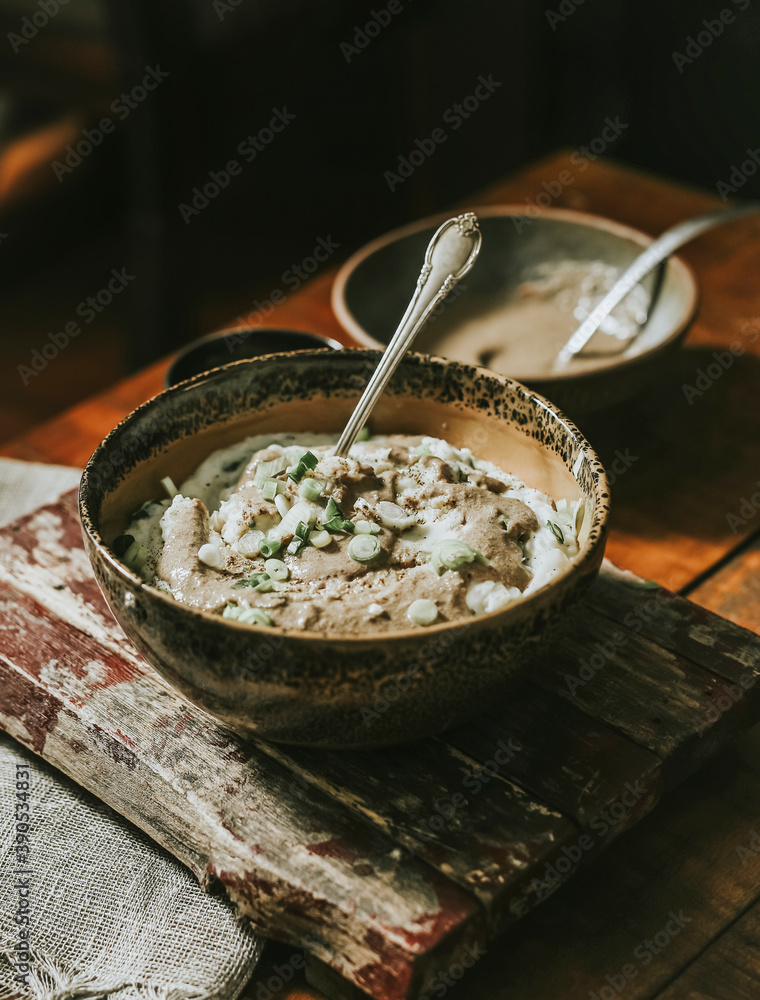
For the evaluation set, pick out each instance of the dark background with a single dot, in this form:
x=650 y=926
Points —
x=563 y=69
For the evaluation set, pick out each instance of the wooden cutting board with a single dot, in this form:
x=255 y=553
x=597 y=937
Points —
x=391 y=867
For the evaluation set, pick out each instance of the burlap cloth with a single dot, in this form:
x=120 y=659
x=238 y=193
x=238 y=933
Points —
x=105 y=910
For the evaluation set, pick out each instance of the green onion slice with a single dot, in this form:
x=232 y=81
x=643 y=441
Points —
x=310 y=489
x=300 y=511
x=307 y=461
x=121 y=545
x=135 y=557
x=319 y=539
x=556 y=531
x=393 y=515
x=168 y=484
x=364 y=434
x=300 y=538
x=268 y=546
x=453 y=554
x=269 y=490
x=268 y=470
x=364 y=548
x=334 y=520
x=247 y=615
x=277 y=569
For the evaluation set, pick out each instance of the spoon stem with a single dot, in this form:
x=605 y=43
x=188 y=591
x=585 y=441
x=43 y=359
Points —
x=450 y=254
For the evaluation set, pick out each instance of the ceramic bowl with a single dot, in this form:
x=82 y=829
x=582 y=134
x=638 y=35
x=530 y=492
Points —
x=345 y=690
x=372 y=288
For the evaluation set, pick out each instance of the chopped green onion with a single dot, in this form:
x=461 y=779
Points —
x=258 y=581
x=334 y=520
x=268 y=546
x=363 y=434
x=392 y=515
x=168 y=484
x=300 y=538
x=268 y=470
x=420 y=450
x=135 y=557
x=319 y=539
x=556 y=531
x=579 y=509
x=247 y=615
x=422 y=612
x=310 y=489
x=521 y=543
x=249 y=543
x=269 y=489
x=282 y=504
x=277 y=569
x=562 y=508
x=299 y=512
x=364 y=548
x=366 y=528
x=453 y=554
x=307 y=461
x=121 y=545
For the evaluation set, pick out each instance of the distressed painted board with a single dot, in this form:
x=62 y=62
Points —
x=387 y=866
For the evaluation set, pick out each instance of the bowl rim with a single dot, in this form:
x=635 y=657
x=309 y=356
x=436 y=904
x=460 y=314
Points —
x=684 y=272
x=587 y=560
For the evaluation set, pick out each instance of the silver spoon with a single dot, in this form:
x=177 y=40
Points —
x=655 y=254
x=450 y=254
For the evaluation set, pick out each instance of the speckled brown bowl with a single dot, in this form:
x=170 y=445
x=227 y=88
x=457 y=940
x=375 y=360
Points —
x=347 y=690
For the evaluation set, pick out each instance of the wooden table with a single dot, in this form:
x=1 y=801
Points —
x=672 y=910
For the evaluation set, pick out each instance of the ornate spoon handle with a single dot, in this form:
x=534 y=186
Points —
x=450 y=254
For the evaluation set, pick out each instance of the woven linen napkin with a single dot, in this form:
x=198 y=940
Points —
x=89 y=905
